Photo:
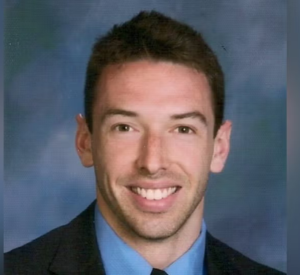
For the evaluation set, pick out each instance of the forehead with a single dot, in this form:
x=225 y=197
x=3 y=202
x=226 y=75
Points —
x=154 y=85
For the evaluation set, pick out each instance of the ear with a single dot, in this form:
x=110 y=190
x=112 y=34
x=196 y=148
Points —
x=83 y=142
x=221 y=147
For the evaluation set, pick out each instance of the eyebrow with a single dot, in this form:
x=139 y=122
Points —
x=121 y=112
x=194 y=114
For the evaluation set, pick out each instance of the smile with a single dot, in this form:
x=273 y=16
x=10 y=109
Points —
x=154 y=194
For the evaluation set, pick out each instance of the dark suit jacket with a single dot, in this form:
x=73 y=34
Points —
x=72 y=249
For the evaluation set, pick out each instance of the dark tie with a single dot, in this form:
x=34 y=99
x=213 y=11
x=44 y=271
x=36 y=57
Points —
x=156 y=271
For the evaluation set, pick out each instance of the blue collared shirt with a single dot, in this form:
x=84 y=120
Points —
x=120 y=258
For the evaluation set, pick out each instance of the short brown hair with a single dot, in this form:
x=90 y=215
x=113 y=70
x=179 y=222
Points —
x=153 y=36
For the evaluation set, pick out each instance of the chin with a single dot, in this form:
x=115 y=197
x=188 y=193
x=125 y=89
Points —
x=154 y=231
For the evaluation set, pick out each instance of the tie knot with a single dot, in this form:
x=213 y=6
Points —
x=156 y=271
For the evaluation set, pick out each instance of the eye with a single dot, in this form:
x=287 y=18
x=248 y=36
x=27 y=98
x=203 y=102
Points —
x=122 y=128
x=184 y=130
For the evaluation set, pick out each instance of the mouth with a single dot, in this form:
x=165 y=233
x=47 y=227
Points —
x=154 y=194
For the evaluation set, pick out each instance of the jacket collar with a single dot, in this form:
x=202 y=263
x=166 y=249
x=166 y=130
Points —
x=219 y=258
x=78 y=252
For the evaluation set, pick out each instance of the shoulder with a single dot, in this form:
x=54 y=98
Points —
x=225 y=257
x=35 y=257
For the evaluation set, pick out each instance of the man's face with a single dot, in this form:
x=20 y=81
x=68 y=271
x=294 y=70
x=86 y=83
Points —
x=152 y=146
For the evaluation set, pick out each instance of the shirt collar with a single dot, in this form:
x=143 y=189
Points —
x=120 y=258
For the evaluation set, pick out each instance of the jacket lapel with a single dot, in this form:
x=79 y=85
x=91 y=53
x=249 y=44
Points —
x=78 y=252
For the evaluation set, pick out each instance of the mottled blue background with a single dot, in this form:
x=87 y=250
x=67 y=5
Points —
x=47 y=44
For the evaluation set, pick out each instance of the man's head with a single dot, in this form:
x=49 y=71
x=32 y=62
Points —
x=153 y=130
x=153 y=36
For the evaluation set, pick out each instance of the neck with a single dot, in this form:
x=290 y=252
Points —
x=158 y=253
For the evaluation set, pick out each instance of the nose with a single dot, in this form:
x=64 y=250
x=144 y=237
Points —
x=152 y=158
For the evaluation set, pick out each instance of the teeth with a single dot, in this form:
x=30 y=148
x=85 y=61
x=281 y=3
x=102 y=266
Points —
x=143 y=193
x=150 y=194
x=157 y=194
x=154 y=194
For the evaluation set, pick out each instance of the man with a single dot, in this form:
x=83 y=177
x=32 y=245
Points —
x=153 y=130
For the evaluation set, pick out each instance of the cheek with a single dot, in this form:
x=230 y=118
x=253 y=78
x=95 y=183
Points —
x=116 y=156
x=193 y=157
